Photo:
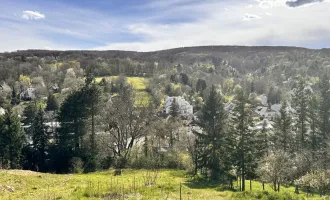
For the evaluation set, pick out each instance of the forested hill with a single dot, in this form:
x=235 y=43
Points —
x=163 y=54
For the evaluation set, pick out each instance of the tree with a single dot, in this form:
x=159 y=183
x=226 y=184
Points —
x=92 y=96
x=52 y=104
x=246 y=151
x=324 y=114
x=12 y=139
x=200 y=85
x=72 y=117
x=29 y=113
x=40 y=140
x=313 y=120
x=213 y=139
x=174 y=109
x=276 y=168
x=126 y=123
x=300 y=103
x=283 y=136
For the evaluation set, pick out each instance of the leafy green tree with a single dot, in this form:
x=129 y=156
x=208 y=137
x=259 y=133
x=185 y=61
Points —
x=212 y=141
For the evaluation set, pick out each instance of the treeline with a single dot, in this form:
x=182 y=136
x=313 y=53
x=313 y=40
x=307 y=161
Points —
x=294 y=152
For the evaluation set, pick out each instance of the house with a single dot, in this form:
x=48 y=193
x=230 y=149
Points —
x=2 y=111
x=55 y=88
x=28 y=94
x=185 y=108
x=268 y=112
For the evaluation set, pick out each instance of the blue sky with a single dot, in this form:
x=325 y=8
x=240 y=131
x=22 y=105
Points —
x=148 y=25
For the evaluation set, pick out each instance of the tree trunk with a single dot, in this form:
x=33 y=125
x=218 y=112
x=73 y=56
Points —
x=250 y=184
x=278 y=188
x=296 y=190
x=263 y=185
x=274 y=185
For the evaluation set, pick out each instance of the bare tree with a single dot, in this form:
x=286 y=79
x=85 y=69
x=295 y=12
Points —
x=126 y=123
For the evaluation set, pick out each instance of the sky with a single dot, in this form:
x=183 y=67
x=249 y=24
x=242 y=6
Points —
x=149 y=25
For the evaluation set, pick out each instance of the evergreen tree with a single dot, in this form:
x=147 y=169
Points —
x=246 y=144
x=174 y=109
x=12 y=139
x=40 y=140
x=283 y=130
x=52 y=104
x=313 y=120
x=15 y=100
x=92 y=97
x=324 y=114
x=300 y=103
x=212 y=142
x=72 y=117
x=29 y=113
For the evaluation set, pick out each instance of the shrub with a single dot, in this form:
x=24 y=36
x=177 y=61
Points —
x=76 y=165
x=265 y=195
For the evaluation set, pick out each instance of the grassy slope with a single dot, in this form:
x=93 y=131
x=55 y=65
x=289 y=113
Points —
x=139 y=84
x=30 y=185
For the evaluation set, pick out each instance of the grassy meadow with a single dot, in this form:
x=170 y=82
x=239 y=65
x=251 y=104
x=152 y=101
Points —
x=131 y=184
x=138 y=83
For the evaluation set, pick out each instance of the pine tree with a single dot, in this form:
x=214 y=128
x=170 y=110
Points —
x=12 y=139
x=300 y=103
x=313 y=120
x=212 y=142
x=29 y=113
x=92 y=96
x=324 y=112
x=52 y=104
x=174 y=109
x=283 y=130
x=246 y=150
x=72 y=117
x=40 y=140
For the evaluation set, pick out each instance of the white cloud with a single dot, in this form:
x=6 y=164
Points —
x=28 y=14
x=248 y=17
x=291 y=28
x=269 y=14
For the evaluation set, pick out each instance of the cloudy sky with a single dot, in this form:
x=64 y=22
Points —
x=147 y=25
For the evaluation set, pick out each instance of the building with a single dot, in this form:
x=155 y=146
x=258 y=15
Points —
x=268 y=112
x=2 y=111
x=184 y=107
x=28 y=94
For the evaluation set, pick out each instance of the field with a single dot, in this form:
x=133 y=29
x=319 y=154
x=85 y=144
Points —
x=19 y=184
x=138 y=83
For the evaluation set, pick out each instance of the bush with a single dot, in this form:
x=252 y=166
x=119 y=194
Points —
x=76 y=165
x=265 y=195
x=106 y=162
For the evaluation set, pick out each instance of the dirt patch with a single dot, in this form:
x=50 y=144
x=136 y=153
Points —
x=21 y=172
x=5 y=188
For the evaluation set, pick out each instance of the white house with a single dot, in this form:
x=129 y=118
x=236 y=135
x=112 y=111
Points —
x=2 y=111
x=184 y=107
x=28 y=94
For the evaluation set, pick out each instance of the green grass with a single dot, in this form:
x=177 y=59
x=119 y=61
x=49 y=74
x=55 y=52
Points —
x=102 y=185
x=139 y=84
